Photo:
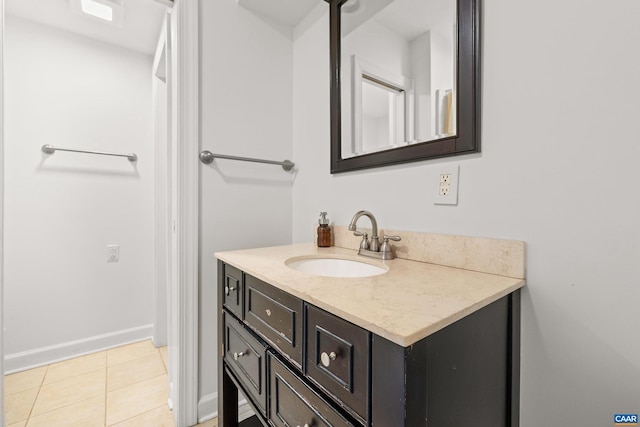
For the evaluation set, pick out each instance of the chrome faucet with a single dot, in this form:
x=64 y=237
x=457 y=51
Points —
x=375 y=243
x=372 y=248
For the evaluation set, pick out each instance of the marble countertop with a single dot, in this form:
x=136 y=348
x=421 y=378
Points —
x=411 y=301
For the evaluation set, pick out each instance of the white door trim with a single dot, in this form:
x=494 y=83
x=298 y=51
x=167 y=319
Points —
x=187 y=101
x=1 y=210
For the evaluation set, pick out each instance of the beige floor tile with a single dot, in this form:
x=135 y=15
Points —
x=18 y=424
x=87 y=413
x=74 y=367
x=160 y=417
x=210 y=423
x=130 y=352
x=136 y=399
x=17 y=406
x=24 y=380
x=134 y=371
x=164 y=353
x=72 y=390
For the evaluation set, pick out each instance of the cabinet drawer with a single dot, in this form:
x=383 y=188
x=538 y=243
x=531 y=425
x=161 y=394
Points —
x=293 y=403
x=275 y=315
x=245 y=356
x=337 y=359
x=232 y=289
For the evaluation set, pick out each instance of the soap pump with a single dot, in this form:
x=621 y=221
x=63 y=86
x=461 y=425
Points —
x=324 y=231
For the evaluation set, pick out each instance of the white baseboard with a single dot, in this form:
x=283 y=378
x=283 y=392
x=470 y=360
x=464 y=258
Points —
x=208 y=408
x=54 y=353
x=244 y=410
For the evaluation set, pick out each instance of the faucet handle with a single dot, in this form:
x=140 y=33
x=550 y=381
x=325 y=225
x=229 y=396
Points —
x=365 y=239
x=387 y=252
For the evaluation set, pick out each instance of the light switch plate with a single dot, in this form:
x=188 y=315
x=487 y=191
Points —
x=446 y=185
x=113 y=253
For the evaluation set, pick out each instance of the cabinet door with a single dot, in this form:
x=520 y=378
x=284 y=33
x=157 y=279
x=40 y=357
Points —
x=276 y=316
x=245 y=356
x=294 y=404
x=232 y=289
x=338 y=359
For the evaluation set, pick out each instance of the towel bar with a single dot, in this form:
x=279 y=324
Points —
x=50 y=149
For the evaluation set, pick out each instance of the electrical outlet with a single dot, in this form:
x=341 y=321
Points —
x=113 y=253
x=445 y=184
x=447 y=176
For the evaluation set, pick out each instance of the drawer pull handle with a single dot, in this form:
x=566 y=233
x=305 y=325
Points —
x=306 y=425
x=237 y=356
x=229 y=289
x=327 y=358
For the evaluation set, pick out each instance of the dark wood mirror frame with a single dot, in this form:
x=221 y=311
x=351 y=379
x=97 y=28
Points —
x=467 y=139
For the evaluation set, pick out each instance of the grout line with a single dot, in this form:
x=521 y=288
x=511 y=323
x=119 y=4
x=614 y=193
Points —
x=140 y=413
x=73 y=374
x=106 y=387
x=33 y=405
x=166 y=371
x=136 y=415
x=61 y=407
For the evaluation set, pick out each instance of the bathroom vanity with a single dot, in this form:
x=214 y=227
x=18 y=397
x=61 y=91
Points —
x=420 y=345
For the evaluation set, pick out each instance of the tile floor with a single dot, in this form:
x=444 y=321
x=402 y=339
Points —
x=123 y=387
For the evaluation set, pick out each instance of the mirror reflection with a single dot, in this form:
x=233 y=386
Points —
x=398 y=73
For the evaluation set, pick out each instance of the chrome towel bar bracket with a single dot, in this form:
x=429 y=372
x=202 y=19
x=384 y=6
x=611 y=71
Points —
x=207 y=157
x=50 y=149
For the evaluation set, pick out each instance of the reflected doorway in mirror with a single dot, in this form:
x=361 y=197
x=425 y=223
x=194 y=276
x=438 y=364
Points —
x=381 y=116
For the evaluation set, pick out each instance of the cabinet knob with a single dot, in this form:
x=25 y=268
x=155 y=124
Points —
x=229 y=289
x=237 y=356
x=327 y=358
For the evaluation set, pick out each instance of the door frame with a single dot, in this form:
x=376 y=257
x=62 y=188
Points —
x=186 y=125
x=1 y=212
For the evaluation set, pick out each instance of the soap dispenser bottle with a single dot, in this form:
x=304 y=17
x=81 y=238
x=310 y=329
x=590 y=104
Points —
x=324 y=231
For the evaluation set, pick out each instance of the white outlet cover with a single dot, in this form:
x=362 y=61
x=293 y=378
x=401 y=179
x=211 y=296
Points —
x=451 y=198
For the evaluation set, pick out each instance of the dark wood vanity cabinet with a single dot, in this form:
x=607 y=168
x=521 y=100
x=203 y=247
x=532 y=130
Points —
x=300 y=366
x=246 y=357
x=276 y=316
x=232 y=290
x=337 y=360
x=294 y=403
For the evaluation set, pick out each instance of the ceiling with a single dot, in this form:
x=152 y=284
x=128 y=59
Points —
x=287 y=12
x=142 y=21
x=410 y=18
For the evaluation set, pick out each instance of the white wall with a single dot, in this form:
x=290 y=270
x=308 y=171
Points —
x=246 y=106
x=558 y=169
x=162 y=179
x=421 y=73
x=62 y=210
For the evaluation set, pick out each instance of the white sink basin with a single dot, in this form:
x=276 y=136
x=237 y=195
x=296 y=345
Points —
x=334 y=267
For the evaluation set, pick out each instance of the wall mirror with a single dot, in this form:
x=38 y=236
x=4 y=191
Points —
x=404 y=81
